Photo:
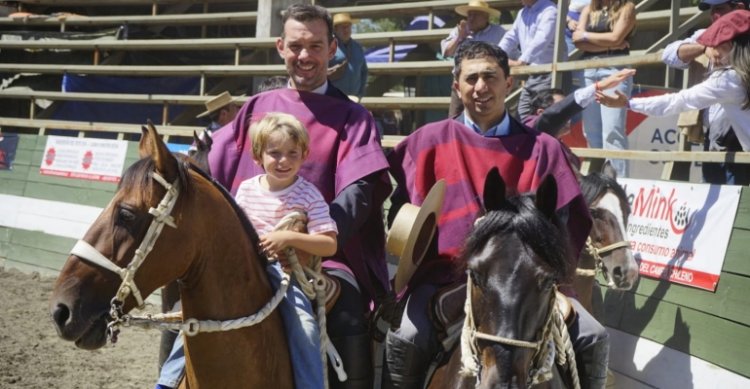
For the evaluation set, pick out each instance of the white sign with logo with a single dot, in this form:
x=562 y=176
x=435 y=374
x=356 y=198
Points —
x=681 y=230
x=84 y=158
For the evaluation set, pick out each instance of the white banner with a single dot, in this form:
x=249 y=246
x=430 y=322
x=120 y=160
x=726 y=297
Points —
x=681 y=230
x=85 y=158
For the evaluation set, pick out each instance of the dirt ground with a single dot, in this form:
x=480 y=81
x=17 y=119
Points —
x=32 y=355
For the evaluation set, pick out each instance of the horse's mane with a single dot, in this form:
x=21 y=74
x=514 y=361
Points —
x=594 y=185
x=548 y=238
x=138 y=176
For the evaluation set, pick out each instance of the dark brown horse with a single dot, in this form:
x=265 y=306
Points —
x=205 y=242
x=515 y=256
x=608 y=247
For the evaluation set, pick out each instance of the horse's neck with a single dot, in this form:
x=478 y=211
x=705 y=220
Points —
x=226 y=282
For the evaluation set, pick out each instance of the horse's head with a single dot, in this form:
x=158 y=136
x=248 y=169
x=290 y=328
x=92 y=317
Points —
x=199 y=153
x=609 y=241
x=119 y=256
x=515 y=256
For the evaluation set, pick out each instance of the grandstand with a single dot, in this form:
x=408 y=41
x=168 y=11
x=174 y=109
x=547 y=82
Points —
x=102 y=68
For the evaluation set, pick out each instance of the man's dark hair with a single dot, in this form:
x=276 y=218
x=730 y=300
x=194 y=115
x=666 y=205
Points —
x=306 y=13
x=544 y=98
x=477 y=49
x=274 y=82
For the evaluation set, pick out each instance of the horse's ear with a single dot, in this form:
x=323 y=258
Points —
x=609 y=171
x=494 y=190
x=151 y=145
x=546 y=196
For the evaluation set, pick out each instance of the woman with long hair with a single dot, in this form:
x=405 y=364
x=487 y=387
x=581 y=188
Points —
x=728 y=86
x=603 y=31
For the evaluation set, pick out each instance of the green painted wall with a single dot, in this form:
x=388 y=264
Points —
x=714 y=326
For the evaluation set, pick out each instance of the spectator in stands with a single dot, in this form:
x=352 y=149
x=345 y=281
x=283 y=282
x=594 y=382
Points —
x=719 y=135
x=221 y=110
x=348 y=68
x=603 y=32
x=728 y=86
x=476 y=27
x=463 y=149
x=571 y=24
x=273 y=82
x=531 y=41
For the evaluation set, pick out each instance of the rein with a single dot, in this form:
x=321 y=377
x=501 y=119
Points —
x=190 y=327
x=554 y=343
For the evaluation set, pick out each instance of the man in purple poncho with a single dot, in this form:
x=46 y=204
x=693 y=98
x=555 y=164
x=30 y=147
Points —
x=345 y=162
x=462 y=150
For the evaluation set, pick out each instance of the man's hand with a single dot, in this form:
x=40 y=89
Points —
x=463 y=30
x=619 y=100
x=615 y=79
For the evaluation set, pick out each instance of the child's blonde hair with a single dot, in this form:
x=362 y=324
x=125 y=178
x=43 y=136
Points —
x=274 y=122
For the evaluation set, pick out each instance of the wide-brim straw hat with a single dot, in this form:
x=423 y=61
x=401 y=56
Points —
x=476 y=5
x=343 y=18
x=216 y=103
x=412 y=231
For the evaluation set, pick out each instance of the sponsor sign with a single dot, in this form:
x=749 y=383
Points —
x=681 y=230
x=8 y=145
x=84 y=158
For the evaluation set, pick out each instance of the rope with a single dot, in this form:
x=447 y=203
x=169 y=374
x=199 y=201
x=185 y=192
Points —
x=564 y=347
x=192 y=327
x=311 y=282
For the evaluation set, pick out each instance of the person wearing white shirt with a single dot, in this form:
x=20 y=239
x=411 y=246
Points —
x=719 y=135
x=727 y=86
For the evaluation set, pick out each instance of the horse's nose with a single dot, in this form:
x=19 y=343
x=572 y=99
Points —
x=621 y=277
x=60 y=317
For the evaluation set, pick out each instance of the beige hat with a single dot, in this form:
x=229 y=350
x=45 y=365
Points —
x=342 y=18
x=476 y=5
x=216 y=103
x=412 y=231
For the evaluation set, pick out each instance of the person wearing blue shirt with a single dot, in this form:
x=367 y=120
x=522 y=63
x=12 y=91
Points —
x=348 y=68
x=531 y=41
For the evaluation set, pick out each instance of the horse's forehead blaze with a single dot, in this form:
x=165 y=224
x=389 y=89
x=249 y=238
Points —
x=612 y=203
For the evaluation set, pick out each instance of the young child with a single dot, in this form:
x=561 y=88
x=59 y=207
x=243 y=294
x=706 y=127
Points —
x=280 y=146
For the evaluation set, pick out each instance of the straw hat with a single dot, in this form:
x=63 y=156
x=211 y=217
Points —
x=476 y=5
x=216 y=103
x=412 y=231
x=343 y=18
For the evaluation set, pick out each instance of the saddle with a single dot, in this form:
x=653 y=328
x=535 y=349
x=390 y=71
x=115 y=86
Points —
x=447 y=313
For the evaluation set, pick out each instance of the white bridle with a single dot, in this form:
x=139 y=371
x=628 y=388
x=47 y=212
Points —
x=161 y=213
x=553 y=344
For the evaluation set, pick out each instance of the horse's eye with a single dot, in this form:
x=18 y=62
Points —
x=125 y=215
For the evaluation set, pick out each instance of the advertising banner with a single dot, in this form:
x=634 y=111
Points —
x=681 y=230
x=84 y=158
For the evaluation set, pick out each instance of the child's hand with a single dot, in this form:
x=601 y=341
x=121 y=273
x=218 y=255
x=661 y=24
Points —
x=274 y=243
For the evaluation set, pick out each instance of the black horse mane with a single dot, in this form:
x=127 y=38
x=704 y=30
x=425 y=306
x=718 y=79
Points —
x=547 y=238
x=594 y=185
x=138 y=175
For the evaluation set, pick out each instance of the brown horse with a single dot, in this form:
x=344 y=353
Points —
x=206 y=243
x=608 y=247
x=515 y=256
